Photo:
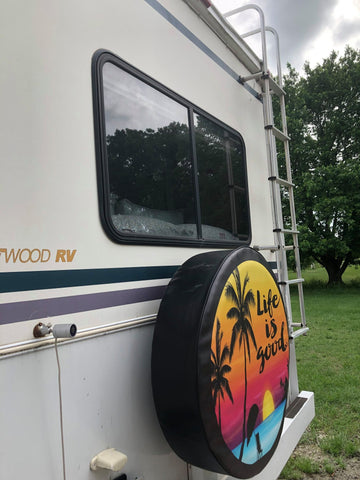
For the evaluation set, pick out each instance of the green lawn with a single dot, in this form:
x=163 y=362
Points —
x=319 y=275
x=328 y=361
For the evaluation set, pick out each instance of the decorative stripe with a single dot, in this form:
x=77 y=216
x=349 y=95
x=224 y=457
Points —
x=34 y=309
x=201 y=45
x=40 y=280
x=52 y=307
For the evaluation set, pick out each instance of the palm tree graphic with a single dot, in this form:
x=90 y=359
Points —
x=242 y=329
x=218 y=371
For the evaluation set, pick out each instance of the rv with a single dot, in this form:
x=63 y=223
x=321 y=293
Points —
x=146 y=330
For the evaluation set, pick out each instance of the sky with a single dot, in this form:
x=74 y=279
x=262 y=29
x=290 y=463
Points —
x=308 y=29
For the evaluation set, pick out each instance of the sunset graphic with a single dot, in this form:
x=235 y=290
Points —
x=249 y=360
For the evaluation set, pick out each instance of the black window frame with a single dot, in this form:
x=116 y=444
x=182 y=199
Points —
x=101 y=57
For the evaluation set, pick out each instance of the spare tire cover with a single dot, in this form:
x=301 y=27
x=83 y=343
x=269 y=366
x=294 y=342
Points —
x=220 y=362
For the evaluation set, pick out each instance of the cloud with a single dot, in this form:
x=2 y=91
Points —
x=298 y=23
x=346 y=30
x=308 y=29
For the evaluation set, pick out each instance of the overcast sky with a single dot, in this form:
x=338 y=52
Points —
x=308 y=29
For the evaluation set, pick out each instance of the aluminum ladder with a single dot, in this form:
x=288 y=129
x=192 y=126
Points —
x=269 y=88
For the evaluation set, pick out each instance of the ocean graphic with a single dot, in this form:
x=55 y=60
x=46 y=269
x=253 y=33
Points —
x=263 y=437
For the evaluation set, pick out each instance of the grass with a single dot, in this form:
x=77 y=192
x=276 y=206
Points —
x=296 y=466
x=328 y=361
x=299 y=465
x=318 y=277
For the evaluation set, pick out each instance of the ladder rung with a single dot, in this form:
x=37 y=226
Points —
x=296 y=281
x=296 y=324
x=275 y=87
x=277 y=133
x=281 y=181
x=299 y=332
x=285 y=230
x=272 y=248
x=294 y=232
x=289 y=248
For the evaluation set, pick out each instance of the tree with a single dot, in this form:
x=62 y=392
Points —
x=242 y=329
x=323 y=110
x=219 y=369
x=152 y=168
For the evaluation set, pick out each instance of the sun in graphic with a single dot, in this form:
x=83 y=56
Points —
x=268 y=404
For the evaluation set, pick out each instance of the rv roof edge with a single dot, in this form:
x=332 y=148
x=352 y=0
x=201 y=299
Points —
x=227 y=34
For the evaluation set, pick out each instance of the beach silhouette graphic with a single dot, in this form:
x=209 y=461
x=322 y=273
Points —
x=249 y=362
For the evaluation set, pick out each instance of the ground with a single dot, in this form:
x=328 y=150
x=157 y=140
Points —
x=350 y=470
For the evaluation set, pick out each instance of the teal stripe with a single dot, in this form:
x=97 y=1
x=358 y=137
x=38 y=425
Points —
x=40 y=280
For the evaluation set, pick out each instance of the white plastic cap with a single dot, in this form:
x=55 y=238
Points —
x=110 y=459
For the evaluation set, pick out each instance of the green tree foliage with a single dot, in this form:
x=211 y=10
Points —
x=152 y=168
x=323 y=110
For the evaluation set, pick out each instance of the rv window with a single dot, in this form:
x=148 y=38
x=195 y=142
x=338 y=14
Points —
x=170 y=173
x=221 y=179
x=148 y=153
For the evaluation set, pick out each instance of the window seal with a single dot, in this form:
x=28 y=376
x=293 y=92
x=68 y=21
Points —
x=100 y=57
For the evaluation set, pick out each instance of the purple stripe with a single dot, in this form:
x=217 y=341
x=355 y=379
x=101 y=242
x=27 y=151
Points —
x=52 y=307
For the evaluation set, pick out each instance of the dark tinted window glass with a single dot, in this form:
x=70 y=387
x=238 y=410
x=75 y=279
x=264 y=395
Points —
x=148 y=153
x=150 y=141
x=241 y=216
x=221 y=176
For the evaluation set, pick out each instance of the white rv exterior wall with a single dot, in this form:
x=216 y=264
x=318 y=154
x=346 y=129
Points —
x=49 y=201
x=48 y=175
